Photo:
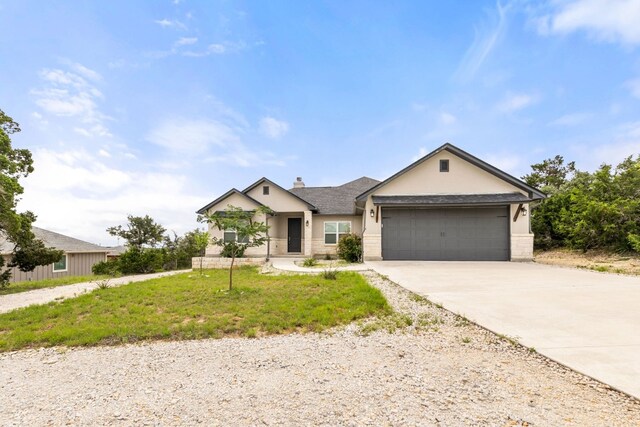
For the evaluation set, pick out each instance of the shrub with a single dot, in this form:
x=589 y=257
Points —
x=141 y=261
x=350 y=248
x=330 y=274
x=310 y=262
x=227 y=249
x=106 y=268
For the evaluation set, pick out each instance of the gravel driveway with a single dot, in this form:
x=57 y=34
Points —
x=439 y=371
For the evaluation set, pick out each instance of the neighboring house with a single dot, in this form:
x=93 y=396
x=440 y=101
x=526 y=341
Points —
x=448 y=205
x=79 y=256
x=115 y=252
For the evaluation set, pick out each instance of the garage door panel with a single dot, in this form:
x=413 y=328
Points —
x=465 y=234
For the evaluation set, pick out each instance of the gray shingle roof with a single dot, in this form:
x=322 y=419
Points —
x=55 y=240
x=338 y=200
x=451 y=199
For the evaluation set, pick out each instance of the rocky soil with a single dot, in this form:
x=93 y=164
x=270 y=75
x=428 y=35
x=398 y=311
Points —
x=602 y=261
x=434 y=368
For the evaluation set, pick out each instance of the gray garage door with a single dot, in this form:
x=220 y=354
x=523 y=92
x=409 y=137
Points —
x=452 y=234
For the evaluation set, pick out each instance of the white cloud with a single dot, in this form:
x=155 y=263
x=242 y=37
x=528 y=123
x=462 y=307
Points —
x=218 y=49
x=185 y=41
x=634 y=87
x=447 y=118
x=273 y=128
x=487 y=36
x=603 y=20
x=421 y=153
x=509 y=163
x=104 y=153
x=192 y=136
x=515 y=102
x=168 y=23
x=572 y=119
x=75 y=193
x=68 y=94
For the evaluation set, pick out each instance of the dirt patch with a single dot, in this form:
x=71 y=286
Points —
x=602 y=261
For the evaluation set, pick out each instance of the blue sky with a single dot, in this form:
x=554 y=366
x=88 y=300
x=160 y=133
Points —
x=159 y=107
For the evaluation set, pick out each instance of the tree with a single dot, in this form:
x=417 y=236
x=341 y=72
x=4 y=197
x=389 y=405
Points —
x=140 y=232
x=551 y=174
x=246 y=232
x=201 y=240
x=171 y=247
x=28 y=252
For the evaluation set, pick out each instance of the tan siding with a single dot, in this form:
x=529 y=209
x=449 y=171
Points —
x=78 y=264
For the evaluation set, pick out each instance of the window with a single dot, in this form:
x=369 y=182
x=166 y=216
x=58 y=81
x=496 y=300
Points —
x=231 y=236
x=60 y=265
x=334 y=230
x=265 y=190
x=444 y=165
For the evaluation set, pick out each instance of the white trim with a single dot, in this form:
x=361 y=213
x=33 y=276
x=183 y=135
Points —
x=337 y=233
x=66 y=265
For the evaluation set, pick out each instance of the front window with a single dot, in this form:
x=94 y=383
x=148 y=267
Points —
x=60 y=265
x=334 y=230
x=232 y=236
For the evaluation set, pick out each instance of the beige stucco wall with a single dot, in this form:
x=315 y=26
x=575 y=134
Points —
x=462 y=178
x=277 y=199
x=318 y=247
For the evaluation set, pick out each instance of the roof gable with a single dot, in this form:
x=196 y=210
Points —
x=226 y=195
x=264 y=180
x=533 y=193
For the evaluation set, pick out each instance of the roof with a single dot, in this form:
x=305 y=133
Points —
x=451 y=199
x=116 y=250
x=268 y=181
x=204 y=209
x=55 y=240
x=335 y=200
x=534 y=194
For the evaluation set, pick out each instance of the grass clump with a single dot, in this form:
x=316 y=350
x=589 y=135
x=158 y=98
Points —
x=390 y=323
x=192 y=306
x=18 y=287
x=310 y=262
x=330 y=274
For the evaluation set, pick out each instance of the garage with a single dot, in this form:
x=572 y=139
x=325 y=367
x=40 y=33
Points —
x=446 y=234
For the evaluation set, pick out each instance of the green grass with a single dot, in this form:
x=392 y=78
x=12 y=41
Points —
x=189 y=306
x=15 y=288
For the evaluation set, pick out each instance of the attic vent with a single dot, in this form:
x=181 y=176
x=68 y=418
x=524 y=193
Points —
x=265 y=190
x=444 y=165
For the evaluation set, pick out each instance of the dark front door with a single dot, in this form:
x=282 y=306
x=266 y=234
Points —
x=294 y=243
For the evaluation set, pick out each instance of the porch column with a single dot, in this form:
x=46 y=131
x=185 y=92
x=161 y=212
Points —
x=307 y=224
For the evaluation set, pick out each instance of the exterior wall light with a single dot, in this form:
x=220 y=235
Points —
x=524 y=211
x=372 y=213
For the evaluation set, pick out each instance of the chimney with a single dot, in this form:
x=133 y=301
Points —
x=298 y=183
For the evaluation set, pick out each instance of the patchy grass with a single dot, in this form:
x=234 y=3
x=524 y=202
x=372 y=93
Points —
x=390 y=323
x=596 y=260
x=15 y=288
x=317 y=263
x=188 y=306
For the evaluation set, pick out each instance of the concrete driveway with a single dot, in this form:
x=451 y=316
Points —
x=586 y=320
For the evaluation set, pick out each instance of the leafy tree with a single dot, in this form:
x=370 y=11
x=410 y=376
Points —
x=551 y=174
x=28 y=252
x=140 y=232
x=201 y=240
x=248 y=233
x=171 y=247
x=141 y=260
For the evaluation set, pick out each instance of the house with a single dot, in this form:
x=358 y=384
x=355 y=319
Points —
x=448 y=205
x=79 y=256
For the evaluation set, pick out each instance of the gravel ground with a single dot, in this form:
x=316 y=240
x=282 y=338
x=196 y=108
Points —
x=441 y=370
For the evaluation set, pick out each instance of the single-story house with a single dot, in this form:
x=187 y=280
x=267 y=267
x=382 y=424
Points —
x=79 y=256
x=448 y=205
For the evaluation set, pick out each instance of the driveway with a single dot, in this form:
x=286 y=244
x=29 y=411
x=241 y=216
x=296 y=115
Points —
x=586 y=320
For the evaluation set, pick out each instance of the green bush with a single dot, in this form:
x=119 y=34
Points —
x=330 y=274
x=106 y=268
x=141 y=261
x=310 y=262
x=350 y=248
x=228 y=247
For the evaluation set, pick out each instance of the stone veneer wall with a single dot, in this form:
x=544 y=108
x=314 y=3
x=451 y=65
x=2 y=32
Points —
x=217 y=262
x=521 y=247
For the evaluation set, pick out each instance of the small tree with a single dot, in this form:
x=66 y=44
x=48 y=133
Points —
x=247 y=232
x=201 y=241
x=140 y=232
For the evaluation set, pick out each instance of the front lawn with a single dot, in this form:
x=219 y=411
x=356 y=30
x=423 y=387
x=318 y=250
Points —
x=14 y=288
x=188 y=306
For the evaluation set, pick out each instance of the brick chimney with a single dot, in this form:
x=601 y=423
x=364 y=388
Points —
x=298 y=183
